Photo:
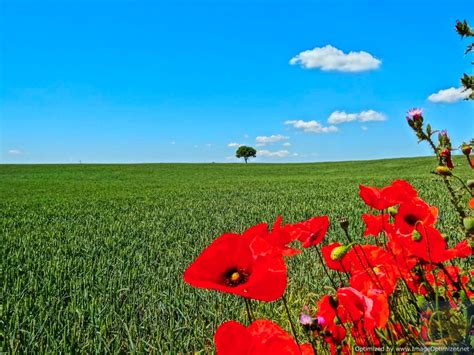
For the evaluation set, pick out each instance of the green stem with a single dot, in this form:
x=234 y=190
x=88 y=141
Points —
x=283 y=298
x=464 y=185
x=321 y=260
x=249 y=313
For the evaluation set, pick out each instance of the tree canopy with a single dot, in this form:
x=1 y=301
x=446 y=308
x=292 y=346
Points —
x=246 y=152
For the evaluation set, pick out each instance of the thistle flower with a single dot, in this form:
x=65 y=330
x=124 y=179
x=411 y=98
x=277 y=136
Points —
x=415 y=114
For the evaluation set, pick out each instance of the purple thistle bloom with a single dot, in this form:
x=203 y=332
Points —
x=305 y=319
x=415 y=114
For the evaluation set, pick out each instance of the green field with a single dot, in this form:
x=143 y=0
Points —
x=92 y=255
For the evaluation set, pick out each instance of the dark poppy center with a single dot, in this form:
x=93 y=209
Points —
x=235 y=277
x=411 y=219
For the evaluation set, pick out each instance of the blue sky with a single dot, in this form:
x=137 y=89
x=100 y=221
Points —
x=178 y=81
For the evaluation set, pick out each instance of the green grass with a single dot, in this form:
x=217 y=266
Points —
x=92 y=255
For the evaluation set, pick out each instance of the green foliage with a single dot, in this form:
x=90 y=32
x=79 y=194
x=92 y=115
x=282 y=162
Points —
x=93 y=255
x=245 y=152
x=464 y=30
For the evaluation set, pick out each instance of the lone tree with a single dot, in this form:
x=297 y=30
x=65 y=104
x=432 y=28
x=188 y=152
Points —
x=246 y=153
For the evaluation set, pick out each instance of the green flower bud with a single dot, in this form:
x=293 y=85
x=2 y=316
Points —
x=339 y=252
x=393 y=211
x=469 y=224
x=416 y=237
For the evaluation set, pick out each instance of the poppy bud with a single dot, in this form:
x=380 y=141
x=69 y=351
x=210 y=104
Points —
x=469 y=224
x=470 y=184
x=393 y=211
x=443 y=171
x=339 y=252
x=416 y=237
x=466 y=149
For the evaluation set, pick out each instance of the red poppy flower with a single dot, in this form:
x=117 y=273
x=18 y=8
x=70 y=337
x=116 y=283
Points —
x=372 y=267
x=427 y=243
x=414 y=212
x=333 y=333
x=375 y=224
x=228 y=265
x=262 y=242
x=404 y=259
x=460 y=250
x=380 y=199
x=262 y=337
x=382 y=276
x=375 y=198
x=471 y=203
x=400 y=191
x=310 y=232
x=354 y=306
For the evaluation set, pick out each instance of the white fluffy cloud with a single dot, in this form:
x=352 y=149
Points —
x=15 y=152
x=338 y=117
x=450 y=95
x=271 y=139
x=311 y=126
x=286 y=144
x=276 y=154
x=329 y=58
x=233 y=145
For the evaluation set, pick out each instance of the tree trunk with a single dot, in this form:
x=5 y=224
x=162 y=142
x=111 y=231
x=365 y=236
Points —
x=246 y=160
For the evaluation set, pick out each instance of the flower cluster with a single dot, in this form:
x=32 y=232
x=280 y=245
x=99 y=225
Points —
x=396 y=284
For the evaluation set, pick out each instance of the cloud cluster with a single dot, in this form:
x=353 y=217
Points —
x=311 y=126
x=276 y=154
x=450 y=95
x=271 y=139
x=338 y=117
x=234 y=145
x=329 y=58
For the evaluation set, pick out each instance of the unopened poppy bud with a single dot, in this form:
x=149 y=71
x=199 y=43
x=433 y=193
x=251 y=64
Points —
x=466 y=149
x=443 y=171
x=344 y=223
x=393 y=211
x=470 y=184
x=338 y=252
x=468 y=224
x=416 y=237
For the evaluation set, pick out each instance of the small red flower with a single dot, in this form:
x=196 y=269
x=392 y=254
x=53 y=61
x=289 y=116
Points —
x=427 y=243
x=410 y=214
x=333 y=333
x=262 y=242
x=375 y=198
x=471 y=203
x=262 y=337
x=228 y=265
x=310 y=232
x=375 y=224
x=446 y=156
x=399 y=191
